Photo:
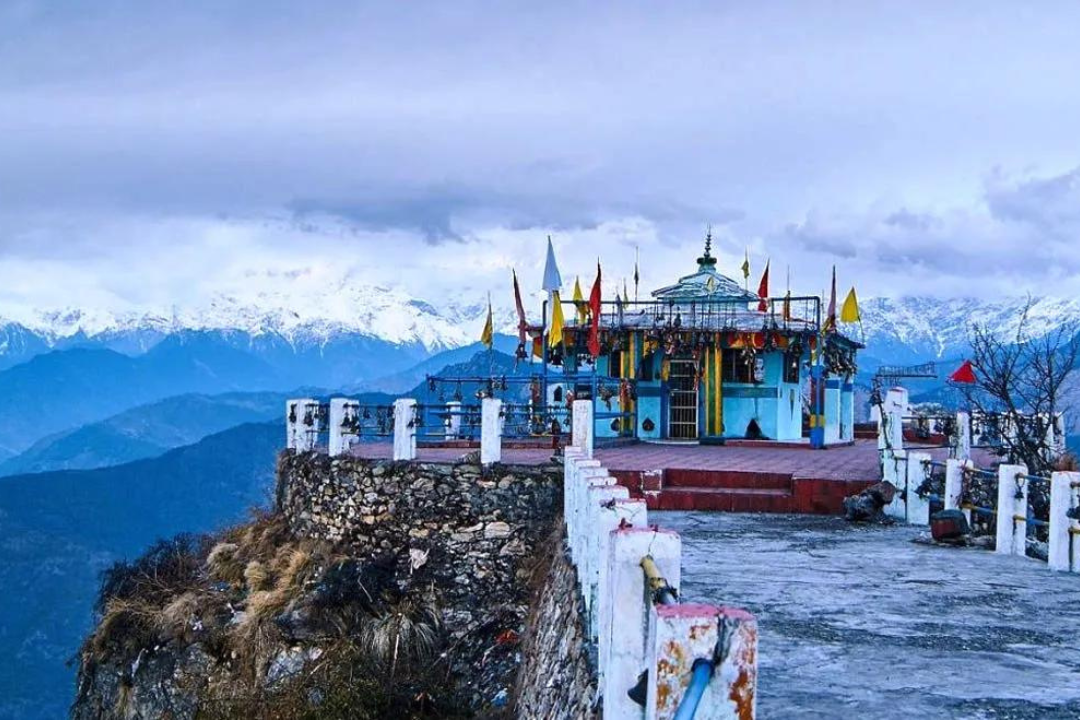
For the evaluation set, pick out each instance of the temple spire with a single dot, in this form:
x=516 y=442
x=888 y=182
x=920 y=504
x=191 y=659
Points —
x=707 y=260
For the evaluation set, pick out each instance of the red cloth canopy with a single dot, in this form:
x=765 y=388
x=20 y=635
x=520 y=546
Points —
x=964 y=374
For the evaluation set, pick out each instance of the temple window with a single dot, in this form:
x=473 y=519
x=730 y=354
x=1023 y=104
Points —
x=737 y=368
x=791 y=367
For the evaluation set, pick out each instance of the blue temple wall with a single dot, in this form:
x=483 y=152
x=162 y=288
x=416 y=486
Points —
x=768 y=402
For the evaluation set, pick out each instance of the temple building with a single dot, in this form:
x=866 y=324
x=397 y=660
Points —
x=704 y=360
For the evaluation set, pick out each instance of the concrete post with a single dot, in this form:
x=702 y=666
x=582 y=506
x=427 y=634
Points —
x=629 y=619
x=589 y=574
x=918 y=468
x=1011 y=532
x=570 y=457
x=1061 y=540
x=1058 y=426
x=847 y=409
x=453 y=420
x=679 y=635
x=896 y=428
x=832 y=410
x=895 y=471
x=490 y=431
x=343 y=414
x=962 y=450
x=612 y=516
x=307 y=424
x=404 y=429
x=583 y=429
x=292 y=422
x=590 y=477
x=582 y=470
x=954 y=483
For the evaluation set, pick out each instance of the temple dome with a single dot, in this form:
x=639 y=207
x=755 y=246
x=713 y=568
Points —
x=706 y=283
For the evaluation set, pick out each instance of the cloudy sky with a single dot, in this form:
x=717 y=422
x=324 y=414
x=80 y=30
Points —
x=155 y=154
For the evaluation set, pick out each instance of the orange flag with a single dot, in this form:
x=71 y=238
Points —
x=763 y=290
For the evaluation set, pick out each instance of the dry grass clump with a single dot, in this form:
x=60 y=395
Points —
x=1068 y=462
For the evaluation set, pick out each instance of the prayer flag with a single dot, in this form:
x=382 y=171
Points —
x=579 y=302
x=522 y=324
x=763 y=290
x=830 y=316
x=849 y=313
x=594 y=309
x=964 y=374
x=487 y=337
x=552 y=278
x=557 y=322
x=746 y=265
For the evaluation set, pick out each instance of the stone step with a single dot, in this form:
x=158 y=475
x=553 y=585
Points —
x=725 y=500
x=726 y=479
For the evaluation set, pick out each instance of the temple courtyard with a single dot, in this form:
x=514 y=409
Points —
x=859 y=621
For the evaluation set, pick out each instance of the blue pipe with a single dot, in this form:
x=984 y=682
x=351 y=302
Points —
x=701 y=673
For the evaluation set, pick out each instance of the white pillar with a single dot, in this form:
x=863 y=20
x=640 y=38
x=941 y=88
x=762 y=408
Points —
x=1060 y=538
x=896 y=429
x=918 y=469
x=404 y=429
x=581 y=471
x=832 y=410
x=343 y=415
x=1011 y=533
x=1058 y=424
x=598 y=495
x=583 y=429
x=307 y=426
x=570 y=457
x=681 y=634
x=453 y=420
x=963 y=436
x=897 y=400
x=621 y=513
x=954 y=483
x=490 y=431
x=589 y=477
x=629 y=617
x=292 y=422
x=847 y=409
x=895 y=471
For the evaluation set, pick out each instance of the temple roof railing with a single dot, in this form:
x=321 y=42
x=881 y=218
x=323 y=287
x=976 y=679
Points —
x=720 y=315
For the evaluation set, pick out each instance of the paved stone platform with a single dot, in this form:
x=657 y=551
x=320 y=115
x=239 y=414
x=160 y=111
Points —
x=859 y=622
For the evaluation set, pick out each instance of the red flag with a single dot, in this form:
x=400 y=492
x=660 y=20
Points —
x=763 y=289
x=522 y=324
x=594 y=308
x=964 y=374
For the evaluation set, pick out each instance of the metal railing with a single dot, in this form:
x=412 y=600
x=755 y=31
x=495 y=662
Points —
x=718 y=315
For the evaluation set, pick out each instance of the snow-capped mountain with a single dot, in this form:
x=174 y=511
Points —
x=916 y=329
x=372 y=318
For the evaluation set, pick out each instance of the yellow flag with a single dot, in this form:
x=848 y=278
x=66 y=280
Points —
x=849 y=313
x=787 y=307
x=746 y=265
x=579 y=302
x=487 y=337
x=557 y=322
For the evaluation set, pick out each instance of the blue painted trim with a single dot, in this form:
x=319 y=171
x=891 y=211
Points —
x=749 y=391
x=846 y=387
x=832 y=384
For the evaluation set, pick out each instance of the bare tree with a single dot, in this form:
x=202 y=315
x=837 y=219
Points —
x=1022 y=379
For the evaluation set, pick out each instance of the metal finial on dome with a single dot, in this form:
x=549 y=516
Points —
x=707 y=260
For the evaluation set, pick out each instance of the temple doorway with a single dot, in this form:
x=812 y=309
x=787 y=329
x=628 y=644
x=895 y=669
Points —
x=682 y=400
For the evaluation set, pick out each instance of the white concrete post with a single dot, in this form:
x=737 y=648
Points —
x=962 y=450
x=590 y=477
x=589 y=574
x=954 y=483
x=629 y=616
x=897 y=400
x=490 y=431
x=307 y=426
x=583 y=428
x=343 y=412
x=453 y=420
x=681 y=634
x=570 y=457
x=1061 y=540
x=293 y=414
x=404 y=429
x=1058 y=427
x=1011 y=532
x=896 y=429
x=895 y=471
x=582 y=470
x=847 y=409
x=832 y=410
x=918 y=468
x=612 y=516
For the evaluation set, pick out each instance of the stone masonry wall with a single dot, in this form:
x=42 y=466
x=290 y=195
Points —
x=477 y=536
x=557 y=679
